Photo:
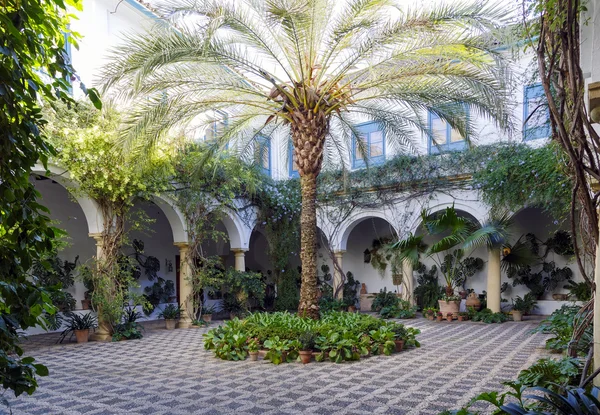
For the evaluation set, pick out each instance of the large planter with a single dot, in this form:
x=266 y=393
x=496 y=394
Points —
x=449 y=307
x=82 y=336
x=517 y=315
x=207 y=317
x=170 y=324
x=305 y=356
x=473 y=301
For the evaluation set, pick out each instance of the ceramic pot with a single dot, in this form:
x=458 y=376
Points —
x=473 y=301
x=449 y=307
x=170 y=324
x=399 y=345
x=82 y=335
x=439 y=318
x=253 y=356
x=449 y=318
x=207 y=317
x=352 y=309
x=430 y=317
x=461 y=318
x=305 y=356
x=85 y=304
x=517 y=315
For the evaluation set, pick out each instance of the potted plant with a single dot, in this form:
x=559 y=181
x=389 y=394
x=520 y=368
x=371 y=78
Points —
x=440 y=316
x=429 y=312
x=79 y=325
x=449 y=304
x=399 y=336
x=253 y=346
x=449 y=316
x=307 y=344
x=462 y=316
x=523 y=306
x=170 y=313
x=207 y=312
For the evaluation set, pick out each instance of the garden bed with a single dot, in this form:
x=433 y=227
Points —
x=337 y=336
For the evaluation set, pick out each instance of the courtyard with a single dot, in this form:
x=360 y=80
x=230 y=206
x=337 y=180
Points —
x=169 y=372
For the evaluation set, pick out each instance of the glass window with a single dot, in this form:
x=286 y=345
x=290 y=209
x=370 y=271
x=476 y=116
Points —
x=444 y=137
x=262 y=154
x=536 y=117
x=293 y=165
x=372 y=141
x=216 y=127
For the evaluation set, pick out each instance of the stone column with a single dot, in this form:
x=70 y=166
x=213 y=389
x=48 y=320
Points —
x=338 y=274
x=240 y=260
x=102 y=332
x=407 y=274
x=493 y=280
x=185 y=287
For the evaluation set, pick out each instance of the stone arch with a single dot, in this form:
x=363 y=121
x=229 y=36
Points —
x=476 y=212
x=89 y=207
x=340 y=240
x=239 y=233
x=174 y=216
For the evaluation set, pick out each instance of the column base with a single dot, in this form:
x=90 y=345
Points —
x=100 y=337
x=184 y=324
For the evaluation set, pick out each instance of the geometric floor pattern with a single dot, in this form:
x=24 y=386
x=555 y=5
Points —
x=169 y=372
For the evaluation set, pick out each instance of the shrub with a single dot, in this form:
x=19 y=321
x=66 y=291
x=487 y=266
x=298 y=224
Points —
x=560 y=324
x=384 y=299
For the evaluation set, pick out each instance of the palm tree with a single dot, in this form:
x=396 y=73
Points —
x=311 y=69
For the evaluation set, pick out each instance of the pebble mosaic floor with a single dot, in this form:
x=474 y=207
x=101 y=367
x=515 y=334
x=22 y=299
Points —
x=169 y=372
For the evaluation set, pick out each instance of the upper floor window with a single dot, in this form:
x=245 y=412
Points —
x=372 y=141
x=216 y=127
x=536 y=118
x=443 y=137
x=293 y=165
x=262 y=154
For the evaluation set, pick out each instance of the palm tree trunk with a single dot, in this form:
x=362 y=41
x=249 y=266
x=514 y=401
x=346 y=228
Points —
x=309 y=130
x=309 y=301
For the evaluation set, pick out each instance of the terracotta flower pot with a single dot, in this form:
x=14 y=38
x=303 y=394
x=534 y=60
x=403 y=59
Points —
x=473 y=301
x=399 y=345
x=253 y=356
x=461 y=318
x=517 y=315
x=352 y=309
x=82 y=336
x=439 y=318
x=449 y=318
x=449 y=307
x=430 y=317
x=86 y=304
x=305 y=356
x=207 y=317
x=170 y=324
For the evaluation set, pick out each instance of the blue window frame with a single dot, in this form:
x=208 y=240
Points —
x=262 y=154
x=535 y=107
x=217 y=127
x=292 y=166
x=373 y=137
x=443 y=137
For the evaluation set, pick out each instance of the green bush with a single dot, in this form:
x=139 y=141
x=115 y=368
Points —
x=487 y=316
x=560 y=324
x=339 y=336
x=384 y=299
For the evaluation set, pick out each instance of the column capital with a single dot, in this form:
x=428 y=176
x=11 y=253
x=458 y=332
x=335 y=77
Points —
x=339 y=252
x=238 y=251
x=96 y=235
x=182 y=245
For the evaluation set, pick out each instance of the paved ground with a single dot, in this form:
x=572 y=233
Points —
x=169 y=372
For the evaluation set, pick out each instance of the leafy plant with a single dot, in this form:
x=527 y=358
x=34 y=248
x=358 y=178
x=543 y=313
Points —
x=383 y=341
x=227 y=341
x=278 y=350
x=253 y=344
x=403 y=309
x=159 y=293
x=383 y=299
x=77 y=321
x=580 y=291
x=129 y=328
x=561 y=324
x=487 y=316
x=307 y=341
x=209 y=309
x=428 y=290
x=550 y=373
x=170 y=312
x=525 y=304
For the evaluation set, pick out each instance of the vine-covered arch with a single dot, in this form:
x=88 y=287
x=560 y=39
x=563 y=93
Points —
x=174 y=216
x=340 y=240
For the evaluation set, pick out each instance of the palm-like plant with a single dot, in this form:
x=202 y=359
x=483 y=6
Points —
x=454 y=232
x=311 y=69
